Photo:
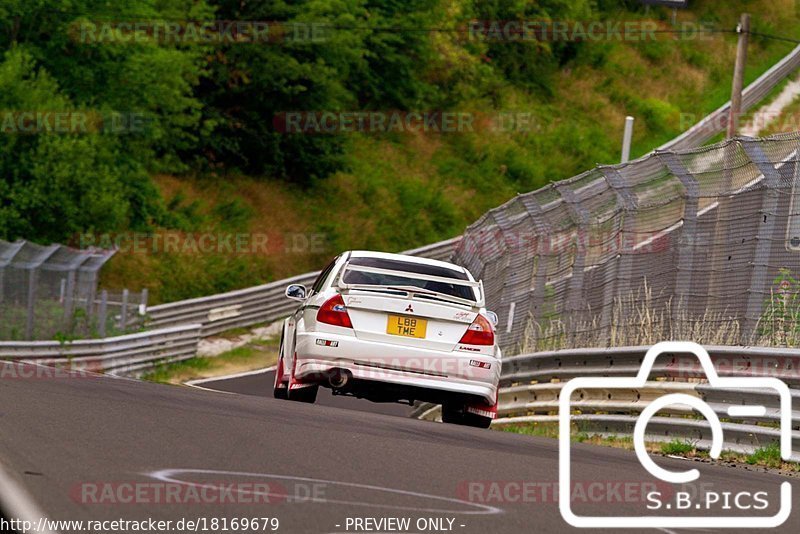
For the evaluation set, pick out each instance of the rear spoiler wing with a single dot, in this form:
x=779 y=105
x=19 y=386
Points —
x=412 y=290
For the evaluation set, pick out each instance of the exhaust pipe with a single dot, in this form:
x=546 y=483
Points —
x=339 y=379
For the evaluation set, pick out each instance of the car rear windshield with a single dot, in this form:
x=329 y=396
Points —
x=355 y=277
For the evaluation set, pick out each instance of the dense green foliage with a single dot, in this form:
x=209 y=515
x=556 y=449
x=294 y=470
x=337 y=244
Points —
x=55 y=185
x=207 y=113
x=210 y=106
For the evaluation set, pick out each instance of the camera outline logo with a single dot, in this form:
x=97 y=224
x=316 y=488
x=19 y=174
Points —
x=714 y=380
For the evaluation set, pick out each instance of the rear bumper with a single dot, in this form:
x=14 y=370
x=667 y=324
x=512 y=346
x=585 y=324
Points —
x=460 y=374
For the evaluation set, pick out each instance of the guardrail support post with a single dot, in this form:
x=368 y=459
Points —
x=101 y=314
x=509 y=262
x=31 y=303
x=543 y=231
x=683 y=274
x=123 y=316
x=69 y=294
x=33 y=272
x=620 y=284
x=5 y=259
x=575 y=288
x=143 y=303
x=761 y=256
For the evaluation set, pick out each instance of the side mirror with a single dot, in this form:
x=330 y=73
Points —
x=296 y=292
x=493 y=317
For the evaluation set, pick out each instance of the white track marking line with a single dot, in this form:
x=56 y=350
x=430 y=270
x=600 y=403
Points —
x=229 y=377
x=188 y=385
x=16 y=503
x=169 y=475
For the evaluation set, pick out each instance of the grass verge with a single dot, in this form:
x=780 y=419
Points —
x=768 y=456
x=256 y=355
x=643 y=318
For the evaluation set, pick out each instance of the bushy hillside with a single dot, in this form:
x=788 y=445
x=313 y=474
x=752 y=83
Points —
x=210 y=156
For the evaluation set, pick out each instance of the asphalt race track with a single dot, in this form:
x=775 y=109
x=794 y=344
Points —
x=65 y=437
x=261 y=385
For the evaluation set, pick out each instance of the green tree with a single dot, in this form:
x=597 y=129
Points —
x=57 y=184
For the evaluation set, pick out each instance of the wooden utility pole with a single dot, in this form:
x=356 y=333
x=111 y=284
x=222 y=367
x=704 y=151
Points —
x=722 y=224
x=738 y=74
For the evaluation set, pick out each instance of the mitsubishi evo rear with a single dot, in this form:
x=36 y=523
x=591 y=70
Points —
x=393 y=328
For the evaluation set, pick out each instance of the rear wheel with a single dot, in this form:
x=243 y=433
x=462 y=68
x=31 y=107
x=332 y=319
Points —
x=279 y=389
x=456 y=415
x=306 y=394
x=451 y=414
x=478 y=421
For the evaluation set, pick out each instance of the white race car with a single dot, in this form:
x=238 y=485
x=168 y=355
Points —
x=393 y=328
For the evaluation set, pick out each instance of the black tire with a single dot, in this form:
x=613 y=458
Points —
x=279 y=393
x=452 y=414
x=307 y=394
x=455 y=415
x=477 y=421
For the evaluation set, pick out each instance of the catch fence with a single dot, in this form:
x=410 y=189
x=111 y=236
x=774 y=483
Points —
x=700 y=244
x=49 y=292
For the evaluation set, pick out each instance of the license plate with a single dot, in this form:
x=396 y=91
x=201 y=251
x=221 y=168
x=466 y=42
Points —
x=399 y=325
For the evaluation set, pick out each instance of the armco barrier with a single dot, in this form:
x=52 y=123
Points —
x=254 y=305
x=123 y=355
x=531 y=384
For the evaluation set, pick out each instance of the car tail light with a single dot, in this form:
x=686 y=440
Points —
x=334 y=312
x=480 y=332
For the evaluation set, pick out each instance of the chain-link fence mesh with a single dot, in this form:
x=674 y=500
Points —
x=700 y=245
x=50 y=292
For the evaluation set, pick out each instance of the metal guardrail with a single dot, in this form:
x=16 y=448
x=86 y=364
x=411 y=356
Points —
x=254 y=305
x=123 y=355
x=531 y=384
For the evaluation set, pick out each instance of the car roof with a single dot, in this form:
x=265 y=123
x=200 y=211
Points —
x=404 y=257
